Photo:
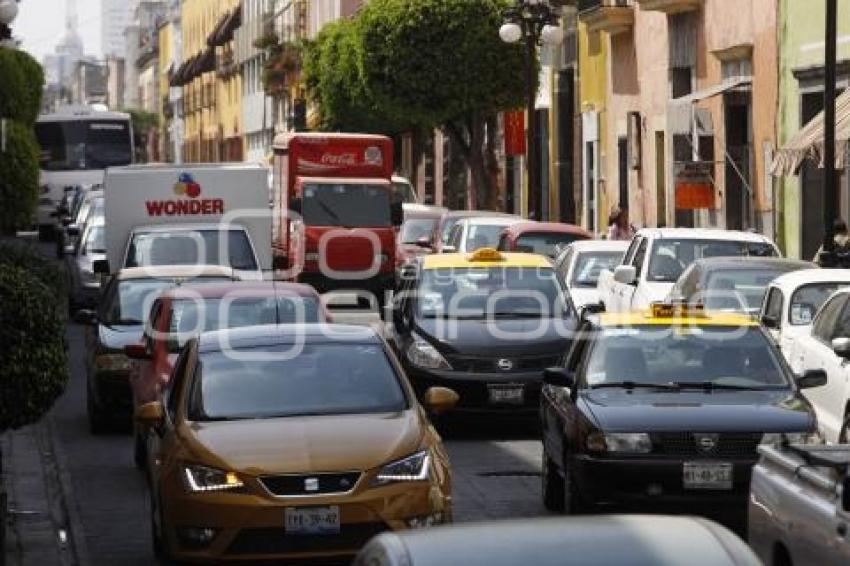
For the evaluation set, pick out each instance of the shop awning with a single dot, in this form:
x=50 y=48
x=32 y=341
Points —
x=807 y=144
x=180 y=76
x=681 y=112
x=225 y=28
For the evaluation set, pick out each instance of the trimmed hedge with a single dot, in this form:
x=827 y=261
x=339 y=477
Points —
x=20 y=254
x=19 y=174
x=21 y=86
x=33 y=362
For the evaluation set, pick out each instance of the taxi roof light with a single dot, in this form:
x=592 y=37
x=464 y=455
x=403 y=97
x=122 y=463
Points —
x=667 y=310
x=486 y=254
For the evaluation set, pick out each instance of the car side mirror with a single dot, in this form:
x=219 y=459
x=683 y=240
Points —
x=841 y=347
x=625 y=274
x=438 y=400
x=100 y=266
x=811 y=379
x=85 y=316
x=559 y=377
x=150 y=415
x=137 y=352
x=424 y=242
x=73 y=230
x=770 y=321
x=396 y=214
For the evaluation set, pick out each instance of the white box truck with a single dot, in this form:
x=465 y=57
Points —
x=185 y=215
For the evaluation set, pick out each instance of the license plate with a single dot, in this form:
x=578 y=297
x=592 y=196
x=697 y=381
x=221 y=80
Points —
x=312 y=521
x=707 y=476
x=506 y=394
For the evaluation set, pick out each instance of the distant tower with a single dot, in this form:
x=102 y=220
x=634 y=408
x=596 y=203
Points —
x=115 y=17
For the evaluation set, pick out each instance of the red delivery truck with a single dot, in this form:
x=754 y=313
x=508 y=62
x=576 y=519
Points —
x=335 y=210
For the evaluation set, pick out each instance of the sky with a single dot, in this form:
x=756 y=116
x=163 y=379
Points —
x=41 y=24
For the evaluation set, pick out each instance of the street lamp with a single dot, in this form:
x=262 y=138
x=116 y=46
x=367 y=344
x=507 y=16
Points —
x=536 y=23
x=8 y=13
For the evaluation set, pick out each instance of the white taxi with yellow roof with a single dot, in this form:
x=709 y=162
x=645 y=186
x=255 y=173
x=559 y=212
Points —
x=667 y=407
x=485 y=324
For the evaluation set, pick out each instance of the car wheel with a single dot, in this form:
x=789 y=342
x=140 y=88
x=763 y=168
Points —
x=552 y=486
x=97 y=420
x=574 y=504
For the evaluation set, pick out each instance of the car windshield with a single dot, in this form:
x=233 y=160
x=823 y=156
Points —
x=807 y=300
x=696 y=355
x=191 y=317
x=128 y=302
x=347 y=205
x=738 y=289
x=483 y=236
x=321 y=380
x=192 y=247
x=590 y=265
x=484 y=292
x=84 y=145
x=670 y=257
x=95 y=240
x=414 y=229
x=544 y=243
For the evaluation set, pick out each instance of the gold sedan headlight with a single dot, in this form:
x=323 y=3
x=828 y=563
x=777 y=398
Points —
x=203 y=478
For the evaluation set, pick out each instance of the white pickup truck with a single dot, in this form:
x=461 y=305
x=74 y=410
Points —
x=657 y=257
x=799 y=510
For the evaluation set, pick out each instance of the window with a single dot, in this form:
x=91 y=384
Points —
x=842 y=327
x=453 y=239
x=171 y=395
x=630 y=253
x=346 y=205
x=640 y=256
x=590 y=265
x=670 y=257
x=773 y=305
x=826 y=320
x=563 y=264
x=191 y=247
x=806 y=301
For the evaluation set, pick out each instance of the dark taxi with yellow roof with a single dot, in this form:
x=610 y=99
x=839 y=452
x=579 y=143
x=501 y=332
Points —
x=485 y=324
x=667 y=407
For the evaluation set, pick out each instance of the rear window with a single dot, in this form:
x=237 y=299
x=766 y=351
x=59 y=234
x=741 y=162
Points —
x=319 y=380
x=591 y=264
x=807 y=300
x=670 y=257
x=544 y=243
x=192 y=247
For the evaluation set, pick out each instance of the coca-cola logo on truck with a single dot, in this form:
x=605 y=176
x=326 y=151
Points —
x=193 y=205
x=345 y=159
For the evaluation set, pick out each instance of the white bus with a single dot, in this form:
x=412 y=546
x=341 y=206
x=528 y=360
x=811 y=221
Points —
x=77 y=144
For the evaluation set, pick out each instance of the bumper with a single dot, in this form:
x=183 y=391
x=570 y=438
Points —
x=626 y=481
x=112 y=392
x=474 y=389
x=251 y=528
x=378 y=284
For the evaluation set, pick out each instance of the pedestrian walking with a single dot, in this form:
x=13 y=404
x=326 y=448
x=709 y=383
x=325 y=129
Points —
x=619 y=227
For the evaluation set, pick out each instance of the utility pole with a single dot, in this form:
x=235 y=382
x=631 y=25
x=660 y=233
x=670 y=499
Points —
x=829 y=212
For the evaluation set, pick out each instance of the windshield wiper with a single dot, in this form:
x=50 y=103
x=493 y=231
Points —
x=635 y=385
x=711 y=386
x=126 y=322
x=518 y=314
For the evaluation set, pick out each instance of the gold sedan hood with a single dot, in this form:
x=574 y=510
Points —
x=307 y=444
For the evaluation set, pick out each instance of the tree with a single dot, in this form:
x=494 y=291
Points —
x=144 y=123
x=439 y=63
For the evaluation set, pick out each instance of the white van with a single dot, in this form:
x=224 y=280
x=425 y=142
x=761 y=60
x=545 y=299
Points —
x=185 y=215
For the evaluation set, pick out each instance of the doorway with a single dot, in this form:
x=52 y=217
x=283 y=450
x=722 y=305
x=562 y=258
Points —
x=623 y=168
x=738 y=177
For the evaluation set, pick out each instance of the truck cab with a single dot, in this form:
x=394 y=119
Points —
x=336 y=212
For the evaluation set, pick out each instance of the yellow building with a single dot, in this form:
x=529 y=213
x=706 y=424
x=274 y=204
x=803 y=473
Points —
x=165 y=54
x=212 y=86
x=595 y=202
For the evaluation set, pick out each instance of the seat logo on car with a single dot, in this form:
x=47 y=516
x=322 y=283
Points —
x=505 y=364
x=707 y=442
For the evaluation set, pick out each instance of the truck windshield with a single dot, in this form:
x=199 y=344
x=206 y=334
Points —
x=84 y=144
x=347 y=205
x=192 y=247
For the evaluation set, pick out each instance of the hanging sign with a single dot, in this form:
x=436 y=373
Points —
x=515 y=133
x=694 y=185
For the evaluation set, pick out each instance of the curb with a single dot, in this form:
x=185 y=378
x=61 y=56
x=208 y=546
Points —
x=77 y=545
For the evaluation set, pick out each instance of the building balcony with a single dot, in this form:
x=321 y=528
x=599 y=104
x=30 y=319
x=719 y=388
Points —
x=612 y=16
x=670 y=6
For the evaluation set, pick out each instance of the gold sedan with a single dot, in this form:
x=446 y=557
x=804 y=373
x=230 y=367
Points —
x=291 y=442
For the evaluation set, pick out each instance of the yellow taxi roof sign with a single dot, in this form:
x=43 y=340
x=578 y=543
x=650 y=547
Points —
x=486 y=254
x=667 y=310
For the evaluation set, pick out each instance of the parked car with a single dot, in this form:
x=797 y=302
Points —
x=475 y=233
x=484 y=324
x=800 y=505
x=827 y=347
x=636 y=540
x=119 y=321
x=580 y=264
x=734 y=284
x=542 y=238
x=305 y=442
x=793 y=299
x=83 y=282
x=666 y=408
x=414 y=236
x=90 y=209
x=183 y=312
x=657 y=257
x=447 y=222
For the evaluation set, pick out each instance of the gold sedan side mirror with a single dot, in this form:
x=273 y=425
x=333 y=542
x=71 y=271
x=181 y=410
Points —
x=150 y=415
x=440 y=400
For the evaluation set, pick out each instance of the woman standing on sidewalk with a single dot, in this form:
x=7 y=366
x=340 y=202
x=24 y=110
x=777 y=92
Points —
x=619 y=227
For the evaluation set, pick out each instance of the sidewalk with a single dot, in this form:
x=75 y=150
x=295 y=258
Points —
x=37 y=526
